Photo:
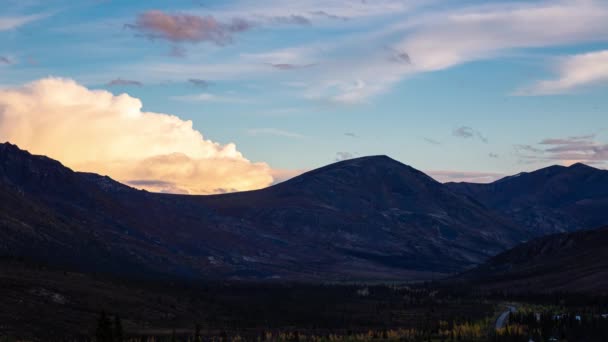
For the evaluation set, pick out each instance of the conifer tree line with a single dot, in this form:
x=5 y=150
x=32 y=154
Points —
x=109 y=330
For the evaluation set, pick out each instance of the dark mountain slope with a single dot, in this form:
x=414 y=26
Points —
x=376 y=209
x=365 y=219
x=568 y=262
x=90 y=222
x=549 y=200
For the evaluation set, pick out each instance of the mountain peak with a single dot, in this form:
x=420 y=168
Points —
x=7 y=147
x=380 y=159
x=581 y=166
x=373 y=169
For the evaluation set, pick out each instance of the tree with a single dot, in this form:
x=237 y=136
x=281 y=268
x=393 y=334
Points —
x=117 y=330
x=197 y=333
x=104 y=329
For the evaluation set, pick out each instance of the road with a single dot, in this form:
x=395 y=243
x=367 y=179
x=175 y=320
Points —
x=502 y=319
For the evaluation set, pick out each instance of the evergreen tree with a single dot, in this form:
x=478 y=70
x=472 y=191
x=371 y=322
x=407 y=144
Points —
x=197 y=333
x=117 y=330
x=104 y=329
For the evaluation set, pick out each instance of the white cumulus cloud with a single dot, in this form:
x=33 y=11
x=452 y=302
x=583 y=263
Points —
x=96 y=131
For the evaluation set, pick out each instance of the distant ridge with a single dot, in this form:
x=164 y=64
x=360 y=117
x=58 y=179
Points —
x=550 y=200
x=370 y=218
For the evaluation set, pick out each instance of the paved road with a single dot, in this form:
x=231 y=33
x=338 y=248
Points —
x=502 y=319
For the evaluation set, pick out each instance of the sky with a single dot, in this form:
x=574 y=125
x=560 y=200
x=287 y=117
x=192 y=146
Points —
x=209 y=96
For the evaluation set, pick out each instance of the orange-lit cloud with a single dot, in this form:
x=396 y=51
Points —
x=188 y=28
x=96 y=131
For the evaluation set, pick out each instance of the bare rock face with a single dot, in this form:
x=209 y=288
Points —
x=370 y=218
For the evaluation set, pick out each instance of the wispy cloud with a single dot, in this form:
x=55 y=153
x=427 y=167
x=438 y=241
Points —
x=328 y=15
x=188 y=28
x=340 y=156
x=122 y=82
x=431 y=141
x=199 y=82
x=177 y=51
x=462 y=35
x=291 y=19
x=585 y=149
x=467 y=132
x=380 y=45
x=9 y=23
x=288 y=66
x=573 y=72
x=523 y=149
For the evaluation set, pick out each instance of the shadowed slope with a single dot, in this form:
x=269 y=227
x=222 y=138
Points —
x=370 y=218
x=549 y=200
x=572 y=262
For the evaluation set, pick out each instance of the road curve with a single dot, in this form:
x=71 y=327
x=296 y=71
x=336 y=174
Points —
x=501 y=321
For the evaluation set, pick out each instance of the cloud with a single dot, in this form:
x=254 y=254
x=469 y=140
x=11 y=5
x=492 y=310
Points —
x=461 y=35
x=573 y=72
x=326 y=8
x=583 y=149
x=291 y=19
x=467 y=132
x=178 y=28
x=437 y=38
x=431 y=141
x=120 y=82
x=96 y=131
x=400 y=57
x=465 y=176
x=328 y=15
x=159 y=186
x=177 y=51
x=274 y=132
x=340 y=156
x=198 y=82
x=288 y=66
x=339 y=92
x=9 y=23
x=526 y=149
x=387 y=41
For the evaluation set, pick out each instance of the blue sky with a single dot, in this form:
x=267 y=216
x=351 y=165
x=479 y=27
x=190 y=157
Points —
x=460 y=89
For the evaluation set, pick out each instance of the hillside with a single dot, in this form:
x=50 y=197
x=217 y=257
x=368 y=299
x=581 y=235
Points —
x=370 y=218
x=550 y=200
x=568 y=262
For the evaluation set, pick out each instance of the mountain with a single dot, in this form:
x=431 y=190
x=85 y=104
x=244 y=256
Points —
x=550 y=200
x=370 y=218
x=567 y=262
x=374 y=210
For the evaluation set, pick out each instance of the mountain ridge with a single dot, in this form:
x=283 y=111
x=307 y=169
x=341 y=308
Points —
x=549 y=200
x=371 y=218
